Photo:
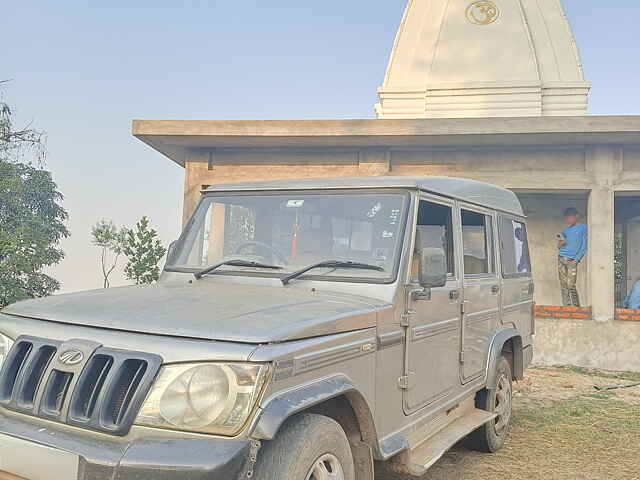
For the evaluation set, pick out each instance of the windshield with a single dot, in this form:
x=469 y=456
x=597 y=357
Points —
x=294 y=230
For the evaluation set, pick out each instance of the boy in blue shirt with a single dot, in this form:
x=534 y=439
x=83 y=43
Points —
x=572 y=246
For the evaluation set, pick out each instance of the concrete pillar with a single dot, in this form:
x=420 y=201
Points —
x=216 y=235
x=604 y=164
x=197 y=174
x=601 y=252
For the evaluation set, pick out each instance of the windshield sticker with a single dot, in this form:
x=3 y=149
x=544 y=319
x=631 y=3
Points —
x=374 y=210
x=387 y=234
x=393 y=217
x=295 y=203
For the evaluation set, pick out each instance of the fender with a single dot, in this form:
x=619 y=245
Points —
x=290 y=402
x=495 y=351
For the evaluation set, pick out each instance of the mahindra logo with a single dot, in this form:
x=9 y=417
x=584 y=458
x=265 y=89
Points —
x=71 y=357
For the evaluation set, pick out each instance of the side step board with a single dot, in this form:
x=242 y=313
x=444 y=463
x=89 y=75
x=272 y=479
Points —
x=422 y=456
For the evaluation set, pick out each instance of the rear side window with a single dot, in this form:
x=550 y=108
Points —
x=476 y=243
x=515 y=248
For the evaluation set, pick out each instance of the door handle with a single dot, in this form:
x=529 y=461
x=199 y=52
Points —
x=495 y=289
x=454 y=294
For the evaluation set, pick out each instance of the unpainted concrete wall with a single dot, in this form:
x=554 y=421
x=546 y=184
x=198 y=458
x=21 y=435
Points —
x=605 y=345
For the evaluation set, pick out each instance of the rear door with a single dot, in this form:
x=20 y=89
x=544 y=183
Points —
x=517 y=284
x=481 y=289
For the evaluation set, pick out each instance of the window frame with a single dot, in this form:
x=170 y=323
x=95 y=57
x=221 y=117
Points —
x=513 y=218
x=489 y=240
x=445 y=202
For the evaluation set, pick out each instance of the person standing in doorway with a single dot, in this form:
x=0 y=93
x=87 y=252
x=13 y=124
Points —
x=572 y=246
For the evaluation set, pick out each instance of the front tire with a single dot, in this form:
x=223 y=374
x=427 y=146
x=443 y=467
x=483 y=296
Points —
x=308 y=447
x=492 y=435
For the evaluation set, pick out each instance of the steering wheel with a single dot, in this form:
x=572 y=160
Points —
x=272 y=254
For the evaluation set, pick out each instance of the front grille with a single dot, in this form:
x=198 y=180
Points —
x=103 y=391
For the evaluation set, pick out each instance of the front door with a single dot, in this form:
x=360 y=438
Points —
x=433 y=322
x=481 y=288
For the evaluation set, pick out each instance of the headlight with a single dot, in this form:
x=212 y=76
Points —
x=5 y=345
x=214 y=398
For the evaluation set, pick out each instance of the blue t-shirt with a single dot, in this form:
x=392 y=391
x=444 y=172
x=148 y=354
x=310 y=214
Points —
x=575 y=245
x=633 y=299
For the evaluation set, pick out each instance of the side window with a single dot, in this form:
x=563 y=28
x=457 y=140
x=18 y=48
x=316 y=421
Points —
x=515 y=248
x=435 y=229
x=476 y=243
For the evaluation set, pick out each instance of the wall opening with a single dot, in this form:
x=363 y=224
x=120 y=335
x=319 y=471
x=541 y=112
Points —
x=544 y=210
x=627 y=246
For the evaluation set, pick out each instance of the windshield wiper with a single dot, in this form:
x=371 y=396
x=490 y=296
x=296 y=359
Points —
x=234 y=263
x=330 y=264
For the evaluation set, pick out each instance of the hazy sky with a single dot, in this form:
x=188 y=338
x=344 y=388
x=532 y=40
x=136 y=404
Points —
x=83 y=70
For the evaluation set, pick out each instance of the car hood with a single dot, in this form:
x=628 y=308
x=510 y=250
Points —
x=209 y=310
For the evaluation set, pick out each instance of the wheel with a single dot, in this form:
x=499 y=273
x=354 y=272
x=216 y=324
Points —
x=492 y=435
x=308 y=447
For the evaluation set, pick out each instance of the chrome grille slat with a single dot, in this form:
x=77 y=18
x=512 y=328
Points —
x=104 y=392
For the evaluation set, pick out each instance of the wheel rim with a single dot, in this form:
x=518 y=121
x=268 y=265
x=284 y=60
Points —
x=503 y=405
x=327 y=467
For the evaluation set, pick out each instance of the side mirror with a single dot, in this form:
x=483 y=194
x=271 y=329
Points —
x=433 y=268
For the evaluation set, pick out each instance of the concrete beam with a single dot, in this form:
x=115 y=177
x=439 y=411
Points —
x=374 y=162
x=178 y=138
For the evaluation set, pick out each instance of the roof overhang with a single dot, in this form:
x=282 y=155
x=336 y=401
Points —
x=177 y=139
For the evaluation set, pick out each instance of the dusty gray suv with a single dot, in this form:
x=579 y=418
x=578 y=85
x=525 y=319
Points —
x=309 y=329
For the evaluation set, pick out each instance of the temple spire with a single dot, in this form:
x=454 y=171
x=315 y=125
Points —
x=489 y=58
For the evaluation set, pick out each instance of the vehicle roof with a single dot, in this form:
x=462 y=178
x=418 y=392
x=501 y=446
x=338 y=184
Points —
x=472 y=191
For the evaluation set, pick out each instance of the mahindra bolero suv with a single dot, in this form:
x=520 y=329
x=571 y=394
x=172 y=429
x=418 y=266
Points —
x=302 y=330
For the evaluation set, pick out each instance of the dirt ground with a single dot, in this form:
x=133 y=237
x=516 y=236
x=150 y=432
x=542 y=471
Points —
x=563 y=429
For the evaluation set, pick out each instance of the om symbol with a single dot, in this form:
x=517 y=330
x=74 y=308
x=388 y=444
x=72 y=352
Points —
x=482 y=13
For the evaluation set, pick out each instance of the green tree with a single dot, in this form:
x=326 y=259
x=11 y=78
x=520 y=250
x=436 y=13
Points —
x=32 y=220
x=19 y=145
x=144 y=251
x=111 y=241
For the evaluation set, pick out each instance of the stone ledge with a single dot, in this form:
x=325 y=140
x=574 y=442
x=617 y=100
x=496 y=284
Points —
x=558 y=311
x=627 y=315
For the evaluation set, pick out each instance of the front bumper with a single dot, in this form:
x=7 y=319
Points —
x=36 y=451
